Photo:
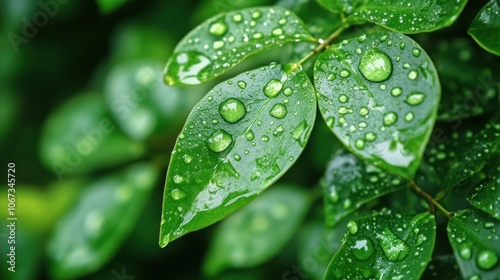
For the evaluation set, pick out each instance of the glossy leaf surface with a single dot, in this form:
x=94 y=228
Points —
x=349 y=183
x=385 y=246
x=225 y=40
x=91 y=232
x=379 y=94
x=485 y=28
x=408 y=16
x=475 y=241
x=241 y=137
x=259 y=231
x=486 y=196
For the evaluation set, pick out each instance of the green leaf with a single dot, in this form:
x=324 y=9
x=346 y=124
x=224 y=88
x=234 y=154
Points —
x=465 y=93
x=259 y=231
x=345 y=7
x=379 y=94
x=408 y=16
x=241 y=137
x=448 y=162
x=485 y=28
x=349 y=183
x=486 y=196
x=109 y=6
x=102 y=217
x=223 y=41
x=141 y=105
x=385 y=246
x=80 y=136
x=474 y=238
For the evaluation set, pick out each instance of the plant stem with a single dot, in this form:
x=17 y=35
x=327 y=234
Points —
x=321 y=47
x=432 y=202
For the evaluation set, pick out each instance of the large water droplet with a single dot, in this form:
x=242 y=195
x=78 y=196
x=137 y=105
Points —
x=219 y=141
x=237 y=17
x=242 y=84
x=412 y=75
x=218 y=28
x=177 y=194
x=360 y=144
x=189 y=67
x=415 y=52
x=363 y=249
x=250 y=135
x=370 y=136
x=375 y=65
x=352 y=226
x=343 y=98
x=277 y=31
x=272 y=88
x=396 y=91
x=390 y=118
x=232 y=110
x=465 y=251
x=393 y=247
x=278 y=111
x=486 y=259
x=363 y=111
x=415 y=98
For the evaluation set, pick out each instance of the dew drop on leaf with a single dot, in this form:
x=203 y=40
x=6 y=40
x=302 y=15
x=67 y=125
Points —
x=277 y=31
x=278 y=111
x=465 y=251
x=409 y=116
x=393 y=247
x=415 y=98
x=413 y=75
x=415 y=52
x=375 y=65
x=343 y=98
x=187 y=158
x=370 y=136
x=237 y=18
x=363 y=111
x=264 y=138
x=218 y=28
x=396 y=91
x=486 y=259
x=288 y=91
x=390 y=118
x=232 y=110
x=250 y=135
x=360 y=144
x=219 y=141
x=272 y=88
x=344 y=110
x=177 y=194
x=242 y=84
x=363 y=249
x=345 y=73
x=352 y=226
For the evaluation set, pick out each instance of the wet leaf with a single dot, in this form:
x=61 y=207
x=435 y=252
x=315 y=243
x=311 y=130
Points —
x=474 y=238
x=259 y=231
x=449 y=163
x=141 y=104
x=408 y=16
x=104 y=214
x=385 y=246
x=349 y=182
x=223 y=41
x=345 y=7
x=485 y=28
x=80 y=136
x=486 y=196
x=379 y=94
x=243 y=136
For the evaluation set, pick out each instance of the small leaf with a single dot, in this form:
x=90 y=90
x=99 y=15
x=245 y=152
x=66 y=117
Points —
x=486 y=196
x=109 y=6
x=225 y=40
x=241 y=137
x=102 y=217
x=350 y=182
x=80 y=136
x=259 y=231
x=379 y=94
x=485 y=28
x=408 y=16
x=474 y=238
x=385 y=246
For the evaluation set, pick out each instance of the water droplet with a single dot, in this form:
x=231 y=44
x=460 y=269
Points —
x=375 y=65
x=249 y=135
x=282 y=21
x=402 y=46
x=465 y=251
x=242 y=84
x=409 y=116
x=278 y=111
x=345 y=73
x=341 y=120
x=257 y=35
x=406 y=65
x=331 y=77
x=421 y=239
x=362 y=38
x=288 y=91
x=278 y=130
x=237 y=157
x=486 y=259
x=177 y=194
x=218 y=44
x=415 y=52
x=218 y=28
x=393 y=247
x=360 y=144
x=344 y=110
x=346 y=204
x=363 y=111
x=383 y=38
x=232 y=110
x=413 y=75
x=219 y=141
x=256 y=14
x=330 y=121
x=343 y=98
x=272 y=88
x=237 y=17
x=352 y=226
x=363 y=249
x=370 y=136
x=362 y=124
x=264 y=138
x=390 y=118
x=415 y=98
x=475 y=277
x=187 y=158
x=178 y=179
x=191 y=68
x=277 y=31
x=396 y=91
x=383 y=87
x=301 y=132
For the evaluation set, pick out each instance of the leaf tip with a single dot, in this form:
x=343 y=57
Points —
x=164 y=239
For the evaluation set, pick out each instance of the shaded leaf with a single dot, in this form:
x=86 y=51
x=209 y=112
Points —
x=345 y=7
x=486 y=196
x=259 y=231
x=349 y=183
x=379 y=94
x=385 y=246
x=408 y=16
x=485 y=28
x=474 y=238
x=102 y=217
x=225 y=40
x=241 y=138
x=109 y=6
x=80 y=136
